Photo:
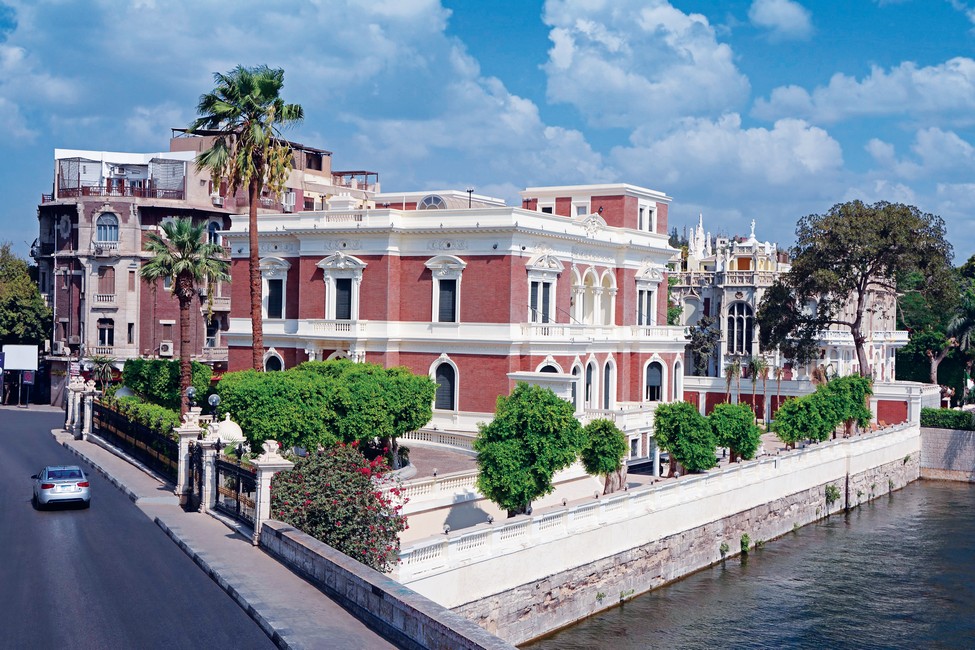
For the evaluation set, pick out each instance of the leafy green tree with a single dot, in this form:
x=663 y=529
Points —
x=703 y=342
x=24 y=318
x=849 y=394
x=186 y=257
x=246 y=113
x=533 y=435
x=734 y=427
x=334 y=495
x=674 y=309
x=685 y=433
x=603 y=453
x=104 y=368
x=799 y=419
x=369 y=401
x=290 y=407
x=841 y=258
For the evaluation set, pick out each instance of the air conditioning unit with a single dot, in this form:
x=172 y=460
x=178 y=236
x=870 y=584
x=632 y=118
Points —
x=59 y=348
x=118 y=171
x=217 y=200
x=98 y=250
x=165 y=348
x=74 y=339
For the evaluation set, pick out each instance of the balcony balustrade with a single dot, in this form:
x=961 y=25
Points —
x=103 y=298
x=114 y=191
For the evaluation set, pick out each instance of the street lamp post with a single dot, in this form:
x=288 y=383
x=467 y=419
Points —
x=470 y=196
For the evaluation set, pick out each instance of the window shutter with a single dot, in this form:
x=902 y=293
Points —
x=533 y=302
x=343 y=299
x=445 y=387
x=546 y=290
x=447 y=301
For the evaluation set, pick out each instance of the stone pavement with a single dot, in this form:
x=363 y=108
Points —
x=292 y=612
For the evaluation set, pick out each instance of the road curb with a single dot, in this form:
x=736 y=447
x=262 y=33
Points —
x=239 y=598
x=133 y=497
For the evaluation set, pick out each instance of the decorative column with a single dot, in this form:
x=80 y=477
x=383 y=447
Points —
x=187 y=432
x=75 y=387
x=212 y=446
x=89 y=397
x=270 y=463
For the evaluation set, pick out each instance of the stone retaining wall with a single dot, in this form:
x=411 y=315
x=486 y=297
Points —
x=948 y=454
x=860 y=469
x=402 y=616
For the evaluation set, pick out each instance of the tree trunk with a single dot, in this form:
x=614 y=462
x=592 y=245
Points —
x=184 y=288
x=615 y=480
x=254 y=261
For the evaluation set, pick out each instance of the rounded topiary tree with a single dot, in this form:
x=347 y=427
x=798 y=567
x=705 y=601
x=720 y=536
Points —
x=603 y=453
x=734 y=427
x=534 y=434
x=686 y=434
x=334 y=495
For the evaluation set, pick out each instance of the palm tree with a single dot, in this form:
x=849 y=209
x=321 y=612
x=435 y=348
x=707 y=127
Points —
x=733 y=371
x=185 y=257
x=778 y=372
x=246 y=113
x=765 y=406
x=102 y=370
x=756 y=366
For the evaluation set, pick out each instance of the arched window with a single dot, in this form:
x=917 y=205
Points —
x=431 y=202
x=678 y=381
x=273 y=364
x=575 y=388
x=590 y=371
x=740 y=329
x=607 y=386
x=549 y=368
x=446 y=380
x=654 y=382
x=212 y=229
x=106 y=228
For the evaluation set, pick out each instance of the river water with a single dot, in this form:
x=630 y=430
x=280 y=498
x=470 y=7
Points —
x=898 y=572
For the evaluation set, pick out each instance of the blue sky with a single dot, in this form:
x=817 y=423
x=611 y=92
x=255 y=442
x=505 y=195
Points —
x=753 y=109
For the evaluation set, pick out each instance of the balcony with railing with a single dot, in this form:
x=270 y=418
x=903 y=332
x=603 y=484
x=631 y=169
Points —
x=114 y=191
x=212 y=353
x=104 y=248
x=102 y=351
x=725 y=278
x=103 y=299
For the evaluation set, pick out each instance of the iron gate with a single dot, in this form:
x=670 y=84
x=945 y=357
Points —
x=194 y=496
x=236 y=489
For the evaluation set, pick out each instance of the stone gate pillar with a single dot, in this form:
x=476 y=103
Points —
x=267 y=465
x=89 y=398
x=75 y=387
x=186 y=432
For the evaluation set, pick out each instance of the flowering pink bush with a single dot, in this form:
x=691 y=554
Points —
x=333 y=495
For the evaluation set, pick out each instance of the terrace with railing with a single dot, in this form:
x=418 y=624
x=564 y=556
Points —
x=114 y=191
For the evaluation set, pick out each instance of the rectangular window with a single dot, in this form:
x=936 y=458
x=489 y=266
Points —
x=645 y=315
x=106 y=332
x=343 y=299
x=130 y=334
x=167 y=331
x=131 y=280
x=447 y=305
x=643 y=212
x=548 y=209
x=540 y=301
x=275 y=298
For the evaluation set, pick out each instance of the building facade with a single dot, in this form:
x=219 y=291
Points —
x=727 y=278
x=567 y=290
x=92 y=228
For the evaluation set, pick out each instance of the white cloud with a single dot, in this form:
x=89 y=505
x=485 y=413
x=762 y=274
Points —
x=785 y=19
x=937 y=155
x=630 y=62
x=946 y=90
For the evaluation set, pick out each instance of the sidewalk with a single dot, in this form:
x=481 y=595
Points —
x=293 y=613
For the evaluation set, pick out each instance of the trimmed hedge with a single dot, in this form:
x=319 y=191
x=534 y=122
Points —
x=947 y=419
x=158 y=418
x=157 y=380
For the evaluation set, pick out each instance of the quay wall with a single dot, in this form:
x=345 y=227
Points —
x=948 y=454
x=530 y=575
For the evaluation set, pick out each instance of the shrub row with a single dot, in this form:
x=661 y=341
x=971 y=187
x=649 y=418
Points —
x=157 y=418
x=947 y=419
x=816 y=416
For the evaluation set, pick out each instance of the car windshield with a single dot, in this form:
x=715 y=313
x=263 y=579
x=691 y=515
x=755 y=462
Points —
x=63 y=474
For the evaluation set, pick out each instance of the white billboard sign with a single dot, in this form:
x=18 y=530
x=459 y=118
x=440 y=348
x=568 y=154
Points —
x=20 y=357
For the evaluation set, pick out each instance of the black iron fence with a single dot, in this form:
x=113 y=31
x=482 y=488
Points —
x=236 y=488
x=159 y=452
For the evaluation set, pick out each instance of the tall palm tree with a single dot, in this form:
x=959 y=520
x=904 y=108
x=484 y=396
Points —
x=186 y=257
x=102 y=369
x=778 y=372
x=246 y=114
x=756 y=366
x=733 y=371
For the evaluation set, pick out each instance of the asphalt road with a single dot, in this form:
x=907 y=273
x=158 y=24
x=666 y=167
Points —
x=105 y=577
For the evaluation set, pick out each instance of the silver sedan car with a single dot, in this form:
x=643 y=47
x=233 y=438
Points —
x=61 y=484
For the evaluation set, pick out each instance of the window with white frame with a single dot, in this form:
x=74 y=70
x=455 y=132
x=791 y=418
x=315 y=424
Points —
x=580 y=207
x=343 y=275
x=645 y=312
x=654 y=382
x=608 y=386
x=446 y=271
x=106 y=228
x=543 y=271
x=274 y=281
x=646 y=217
x=740 y=329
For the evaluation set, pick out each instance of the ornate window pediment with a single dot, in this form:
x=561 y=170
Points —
x=446 y=265
x=593 y=224
x=650 y=275
x=341 y=262
x=274 y=267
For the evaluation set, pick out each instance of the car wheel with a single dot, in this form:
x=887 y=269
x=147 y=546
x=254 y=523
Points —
x=86 y=504
x=34 y=502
